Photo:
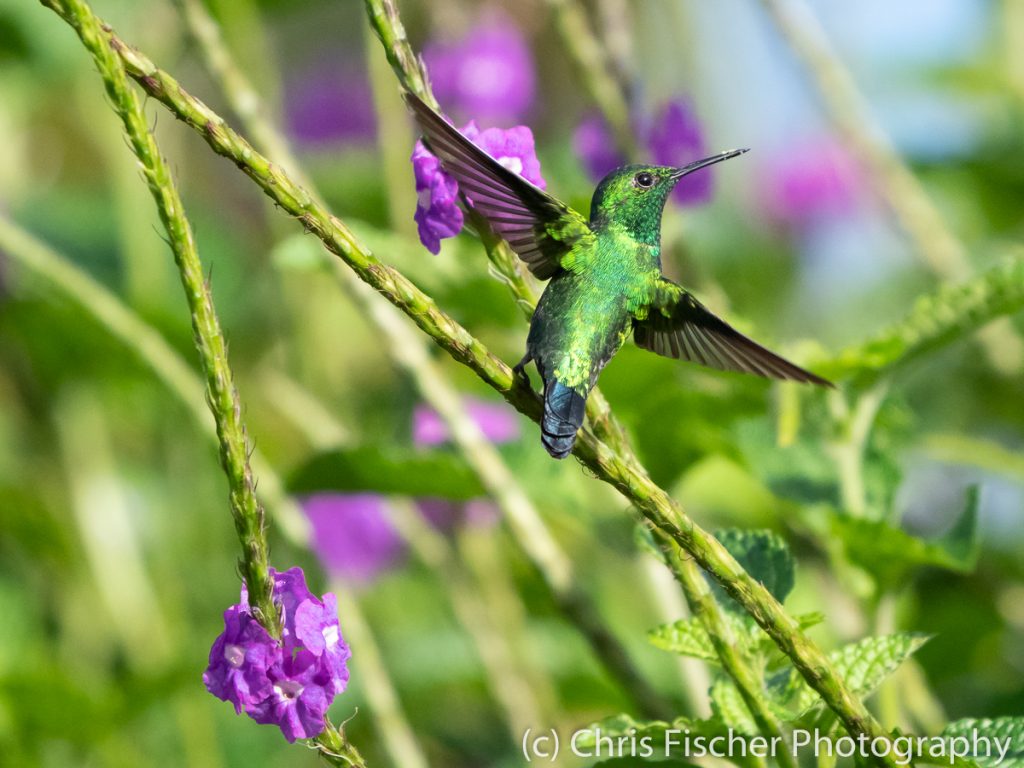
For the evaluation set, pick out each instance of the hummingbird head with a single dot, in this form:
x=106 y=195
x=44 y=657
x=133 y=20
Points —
x=634 y=196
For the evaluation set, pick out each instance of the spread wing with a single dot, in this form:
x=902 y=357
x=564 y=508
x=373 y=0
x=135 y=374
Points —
x=538 y=227
x=679 y=326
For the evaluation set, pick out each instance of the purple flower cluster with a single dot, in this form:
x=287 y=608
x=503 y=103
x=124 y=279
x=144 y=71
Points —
x=288 y=683
x=672 y=137
x=438 y=215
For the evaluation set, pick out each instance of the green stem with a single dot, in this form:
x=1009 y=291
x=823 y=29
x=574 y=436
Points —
x=621 y=471
x=222 y=397
x=848 y=451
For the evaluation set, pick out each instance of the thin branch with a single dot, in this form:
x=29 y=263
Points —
x=220 y=392
x=622 y=472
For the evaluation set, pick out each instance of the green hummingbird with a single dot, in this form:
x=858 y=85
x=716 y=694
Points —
x=604 y=276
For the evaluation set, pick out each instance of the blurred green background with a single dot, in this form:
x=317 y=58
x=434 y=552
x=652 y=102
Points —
x=117 y=553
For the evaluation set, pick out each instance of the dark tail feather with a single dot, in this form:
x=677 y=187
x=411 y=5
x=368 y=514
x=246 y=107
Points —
x=563 y=416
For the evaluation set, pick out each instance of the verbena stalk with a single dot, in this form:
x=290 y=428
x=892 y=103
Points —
x=622 y=472
x=222 y=397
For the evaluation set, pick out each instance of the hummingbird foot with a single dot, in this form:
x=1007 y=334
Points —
x=519 y=369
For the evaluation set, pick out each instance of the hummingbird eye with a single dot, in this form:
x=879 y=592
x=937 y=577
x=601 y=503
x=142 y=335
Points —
x=644 y=180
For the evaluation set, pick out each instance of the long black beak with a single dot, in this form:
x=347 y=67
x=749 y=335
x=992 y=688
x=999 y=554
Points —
x=698 y=164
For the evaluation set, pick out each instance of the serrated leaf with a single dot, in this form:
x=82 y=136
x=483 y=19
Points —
x=687 y=637
x=765 y=556
x=728 y=706
x=862 y=666
x=890 y=554
x=1008 y=730
x=404 y=472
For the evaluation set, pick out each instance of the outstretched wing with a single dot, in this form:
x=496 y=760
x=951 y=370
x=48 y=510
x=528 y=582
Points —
x=679 y=326
x=539 y=228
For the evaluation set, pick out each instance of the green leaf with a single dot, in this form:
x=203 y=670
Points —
x=1008 y=731
x=890 y=554
x=687 y=637
x=765 y=556
x=374 y=469
x=728 y=706
x=862 y=666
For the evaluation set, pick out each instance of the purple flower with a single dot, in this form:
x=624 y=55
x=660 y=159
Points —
x=593 y=143
x=330 y=103
x=489 y=74
x=675 y=138
x=438 y=215
x=291 y=682
x=818 y=180
x=239 y=660
x=437 y=207
x=301 y=692
x=498 y=422
x=352 y=535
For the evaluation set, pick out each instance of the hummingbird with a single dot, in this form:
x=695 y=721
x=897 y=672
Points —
x=604 y=276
